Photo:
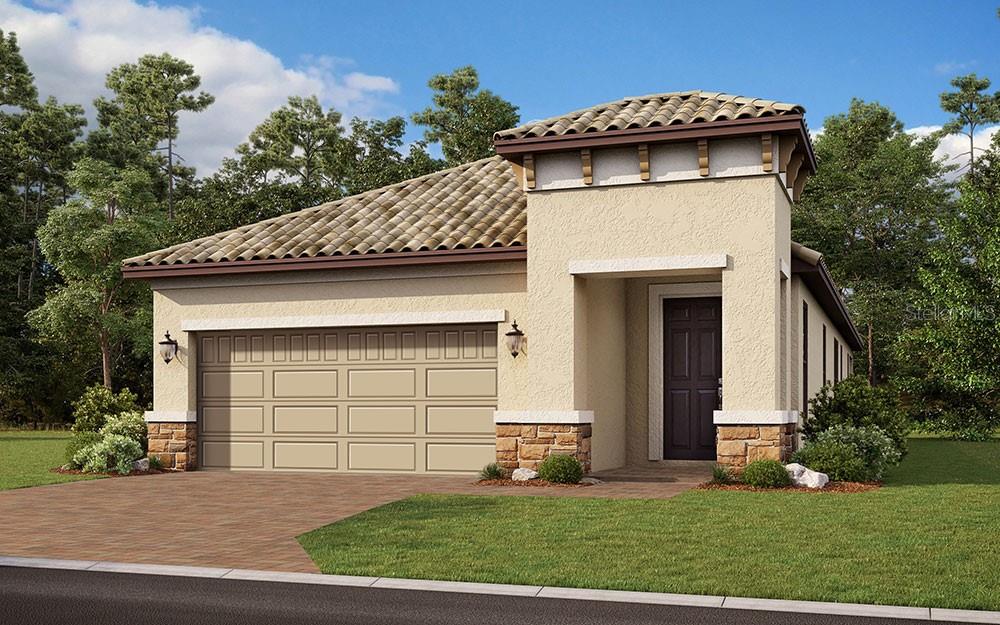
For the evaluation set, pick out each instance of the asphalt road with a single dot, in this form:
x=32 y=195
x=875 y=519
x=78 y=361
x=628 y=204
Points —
x=40 y=596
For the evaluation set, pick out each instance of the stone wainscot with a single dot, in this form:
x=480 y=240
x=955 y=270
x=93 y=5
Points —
x=525 y=446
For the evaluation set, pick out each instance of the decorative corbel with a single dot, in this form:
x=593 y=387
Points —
x=588 y=170
x=786 y=147
x=766 y=152
x=529 y=170
x=643 y=161
x=794 y=165
x=702 y=157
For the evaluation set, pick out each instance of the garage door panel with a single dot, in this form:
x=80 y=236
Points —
x=380 y=399
x=382 y=420
x=305 y=455
x=382 y=456
x=236 y=419
x=305 y=384
x=304 y=419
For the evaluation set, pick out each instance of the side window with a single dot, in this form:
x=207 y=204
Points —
x=836 y=361
x=826 y=378
x=805 y=359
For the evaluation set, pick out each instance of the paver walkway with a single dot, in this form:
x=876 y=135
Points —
x=228 y=519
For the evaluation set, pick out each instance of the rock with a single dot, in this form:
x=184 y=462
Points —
x=142 y=464
x=801 y=476
x=523 y=475
x=593 y=481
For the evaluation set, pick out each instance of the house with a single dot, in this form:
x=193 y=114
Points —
x=666 y=312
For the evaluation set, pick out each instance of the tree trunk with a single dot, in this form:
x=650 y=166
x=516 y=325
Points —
x=871 y=358
x=106 y=357
x=170 y=176
x=31 y=274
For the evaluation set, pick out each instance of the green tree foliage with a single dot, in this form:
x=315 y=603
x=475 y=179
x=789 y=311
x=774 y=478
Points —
x=972 y=106
x=464 y=117
x=95 y=311
x=149 y=97
x=371 y=156
x=873 y=209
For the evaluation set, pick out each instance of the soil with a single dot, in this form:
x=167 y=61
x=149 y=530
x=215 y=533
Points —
x=533 y=483
x=832 y=487
x=79 y=472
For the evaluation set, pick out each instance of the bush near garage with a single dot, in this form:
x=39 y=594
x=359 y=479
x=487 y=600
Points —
x=109 y=432
x=98 y=403
x=113 y=452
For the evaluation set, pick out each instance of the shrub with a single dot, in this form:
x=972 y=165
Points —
x=561 y=469
x=855 y=402
x=97 y=404
x=155 y=463
x=766 y=474
x=113 y=452
x=129 y=424
x=876 y=450
x=840 y=461
x=721 y=475
x=78 y=442
x=492 y=471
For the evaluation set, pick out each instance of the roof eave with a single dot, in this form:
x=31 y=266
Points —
x=817 y=277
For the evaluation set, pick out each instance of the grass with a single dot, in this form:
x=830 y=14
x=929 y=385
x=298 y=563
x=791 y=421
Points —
x=928 y=538
x=27 y=457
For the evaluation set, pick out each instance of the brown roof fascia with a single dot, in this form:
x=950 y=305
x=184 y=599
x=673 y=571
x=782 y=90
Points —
x=782 y=124
x=817 y=278
x=385 y=259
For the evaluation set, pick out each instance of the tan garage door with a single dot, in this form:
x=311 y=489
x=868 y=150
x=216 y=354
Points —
x=411 y=399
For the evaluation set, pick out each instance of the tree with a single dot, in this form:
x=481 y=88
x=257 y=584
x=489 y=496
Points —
x=370 y=157
x=96 y=310
x=464 y=118
x=972 y=107
x=873 y=209
x=149 y=97
x=17 y=85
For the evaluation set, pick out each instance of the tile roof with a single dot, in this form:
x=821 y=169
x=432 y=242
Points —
x=650 y=111
x=476 y=205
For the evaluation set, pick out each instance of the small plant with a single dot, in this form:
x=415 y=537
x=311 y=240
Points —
x=98 y=403
x=155 y=463
x=766 y=474
x=129 y=424
x=113 y=452
x=79 y=441
x=840 y=461
x=492 y=471
x=721 y=475
x=561 y=469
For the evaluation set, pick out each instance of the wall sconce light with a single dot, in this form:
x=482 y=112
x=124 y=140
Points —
x=168 y=348
x=514 y=340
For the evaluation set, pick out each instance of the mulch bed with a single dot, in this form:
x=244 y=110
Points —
x=529 y=483
x=832 y=487
x=79 y=472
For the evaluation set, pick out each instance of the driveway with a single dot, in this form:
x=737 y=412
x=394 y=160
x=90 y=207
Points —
x=229 y=519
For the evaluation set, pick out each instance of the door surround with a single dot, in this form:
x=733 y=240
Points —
x=658 y=293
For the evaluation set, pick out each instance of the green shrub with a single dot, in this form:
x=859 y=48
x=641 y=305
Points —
x=79 y=441
x=854 y=402
x=97 y=404
x=155 y=463
x=492 y=471
x=113 y=452
x=766 y=474
x=561 y=469
x=876 y=450
x=721 y=475
x=840 y=461
x=129 y=424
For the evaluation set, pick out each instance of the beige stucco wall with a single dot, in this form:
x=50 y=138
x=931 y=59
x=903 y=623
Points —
x=474 y=287
x=605 y=349
x=744 y=218
x=817 y=320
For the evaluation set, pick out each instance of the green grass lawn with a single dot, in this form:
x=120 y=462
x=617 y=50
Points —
x=26 y=459
x=930 y=537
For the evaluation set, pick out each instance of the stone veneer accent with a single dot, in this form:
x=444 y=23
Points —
x=525 y=446
x=738 y=445
x=174 y=444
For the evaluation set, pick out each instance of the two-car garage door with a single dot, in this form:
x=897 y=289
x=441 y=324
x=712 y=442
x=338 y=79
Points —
x=408 y=399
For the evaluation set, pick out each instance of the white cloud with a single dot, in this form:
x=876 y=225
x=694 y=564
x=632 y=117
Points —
x=954 y=149
x=951 y=67
x=71 y=46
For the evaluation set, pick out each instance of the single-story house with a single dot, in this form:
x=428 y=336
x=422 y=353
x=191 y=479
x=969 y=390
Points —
x=662 y=310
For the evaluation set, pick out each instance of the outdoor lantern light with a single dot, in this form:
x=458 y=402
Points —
x=514 y=339
x=168 y=348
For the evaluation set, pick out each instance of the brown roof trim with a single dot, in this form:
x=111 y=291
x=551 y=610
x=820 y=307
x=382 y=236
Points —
x=817 y=277
x=786 y=124
x=385 y=259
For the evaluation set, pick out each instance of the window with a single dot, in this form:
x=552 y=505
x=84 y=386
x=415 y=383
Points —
x=825 y=378
x=836 y=361
x=805 y=359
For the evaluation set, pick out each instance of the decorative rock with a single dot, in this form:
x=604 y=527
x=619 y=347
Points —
x=801 y=476
x=523 y=475
x=593 y=481
x=142 y=464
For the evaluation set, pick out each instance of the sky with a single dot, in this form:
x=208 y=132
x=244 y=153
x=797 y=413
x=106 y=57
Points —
x=373 y=58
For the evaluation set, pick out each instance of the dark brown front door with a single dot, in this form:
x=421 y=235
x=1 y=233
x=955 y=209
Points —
x=692 y=368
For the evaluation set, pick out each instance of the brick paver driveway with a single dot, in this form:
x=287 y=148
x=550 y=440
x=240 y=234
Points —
x=218 y=518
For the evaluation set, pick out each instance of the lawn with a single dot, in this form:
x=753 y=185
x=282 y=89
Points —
x=930 y=537
x=26 y=459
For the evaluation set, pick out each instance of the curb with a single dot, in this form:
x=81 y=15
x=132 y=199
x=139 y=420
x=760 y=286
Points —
x=513 y=590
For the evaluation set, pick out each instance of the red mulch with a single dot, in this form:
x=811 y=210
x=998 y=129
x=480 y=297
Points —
x=832 y=487
x=535 y=483
x=79 y=472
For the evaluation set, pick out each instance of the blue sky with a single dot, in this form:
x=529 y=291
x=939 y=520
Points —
x=553 y=57
x=373 y=58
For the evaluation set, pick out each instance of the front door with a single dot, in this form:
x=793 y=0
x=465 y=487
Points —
x=692 y=372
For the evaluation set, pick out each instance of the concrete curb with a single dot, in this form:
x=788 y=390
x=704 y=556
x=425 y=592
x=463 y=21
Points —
x=513 y=590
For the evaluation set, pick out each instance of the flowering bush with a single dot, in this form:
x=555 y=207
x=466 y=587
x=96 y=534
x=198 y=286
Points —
x=113 y=452
x=850 y=453
x=129 y=424
x=98 y=403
